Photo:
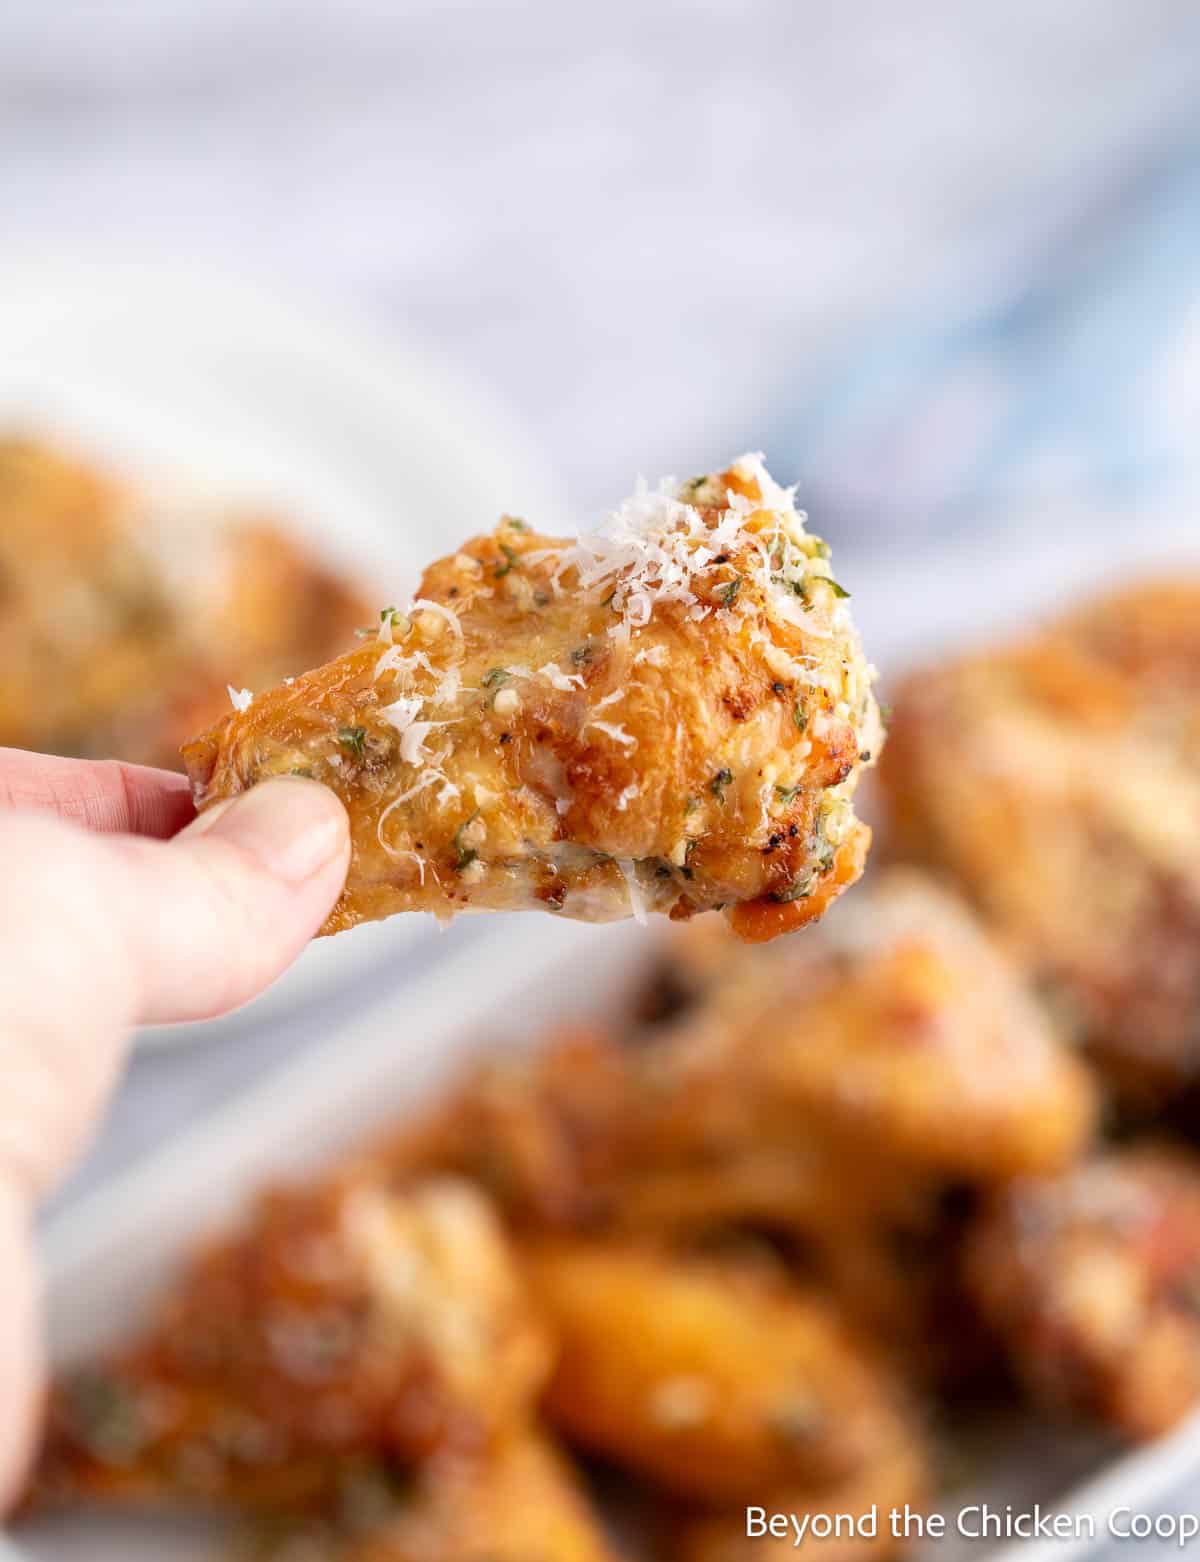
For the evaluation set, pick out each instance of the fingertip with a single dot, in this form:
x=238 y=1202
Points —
x=292 y=826
x=226 y=907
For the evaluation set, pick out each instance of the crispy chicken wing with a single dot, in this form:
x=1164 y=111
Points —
x=706 y=1377
x=1092 y=1281
x=668 y=715
x=520 y=1503
x=341 y=1322
x=898 y=1025
x=1057 y=779
x=125 y=617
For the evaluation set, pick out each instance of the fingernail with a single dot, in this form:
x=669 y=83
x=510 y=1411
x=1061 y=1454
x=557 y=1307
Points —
x=293 y=826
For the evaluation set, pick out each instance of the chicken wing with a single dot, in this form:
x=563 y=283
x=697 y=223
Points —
x=1092 y=1281
x=520 y=1503
x=1057 y=778
x=707 y=1377
x=341 y=1323
x=898 y=1025
x=124 y=617
x=668 y=715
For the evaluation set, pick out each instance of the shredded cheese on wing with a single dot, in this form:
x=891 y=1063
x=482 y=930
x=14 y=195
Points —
x=637 y=901
x=663 y=545
x=403 y=712
x=559 y=679
x=615 y=731
x=427 y=605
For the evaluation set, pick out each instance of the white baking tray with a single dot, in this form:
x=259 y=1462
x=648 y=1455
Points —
x=500 y=983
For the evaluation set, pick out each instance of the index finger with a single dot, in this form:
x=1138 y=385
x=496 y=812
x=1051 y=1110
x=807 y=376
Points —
x=102 y=795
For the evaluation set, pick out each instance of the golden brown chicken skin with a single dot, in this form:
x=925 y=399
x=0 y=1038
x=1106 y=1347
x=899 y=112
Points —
x=897 y=1026
x=707 y=1378
x=668 y=715
x=1057 y=779
x=124 y=617
x=521 y=1502
x=1092 y=1282
x=342 y=1322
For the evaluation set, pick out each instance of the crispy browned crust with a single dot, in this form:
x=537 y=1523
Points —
x=122 y=622
x=519 y=1502
x=1091 y=1282
x=1057 y=780
x=567 y=762
x=710 y=1381
x=313 y=1337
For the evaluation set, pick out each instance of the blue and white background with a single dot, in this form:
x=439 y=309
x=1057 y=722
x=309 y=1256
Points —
x=935 y=257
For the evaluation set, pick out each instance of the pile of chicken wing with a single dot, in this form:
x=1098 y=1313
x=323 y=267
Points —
x=772 y=1231
x=126 y=612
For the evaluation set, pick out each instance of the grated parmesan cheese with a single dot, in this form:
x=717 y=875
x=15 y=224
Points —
x=440 y=608
x=559 y=679
x=403 y=712
x=637 y=902
x=615 y=731
x=412 y=741
x=241 y=699
x=652 y=655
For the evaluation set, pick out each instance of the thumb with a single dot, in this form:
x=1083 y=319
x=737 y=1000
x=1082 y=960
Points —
x=99 y=933
x=214 y=915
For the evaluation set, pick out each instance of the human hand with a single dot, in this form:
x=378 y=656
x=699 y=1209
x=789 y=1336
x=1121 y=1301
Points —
x=119 y=907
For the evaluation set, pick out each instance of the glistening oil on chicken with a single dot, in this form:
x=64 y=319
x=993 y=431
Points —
x=670 y=714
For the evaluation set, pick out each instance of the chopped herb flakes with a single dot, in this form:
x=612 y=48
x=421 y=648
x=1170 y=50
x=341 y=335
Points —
x=800 y=890
x=466 y=854
x=822 y=849
x=510 y=560
x=106 y=1417
x=495 y=677
x=788 y=794
x=800 y=717
x=729 y=593
x=387 y=616
x=353 y=738
x=718 y=784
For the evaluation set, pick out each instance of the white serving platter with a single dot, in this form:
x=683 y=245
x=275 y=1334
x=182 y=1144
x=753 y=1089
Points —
x=108 y=1257
x=233 y=391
